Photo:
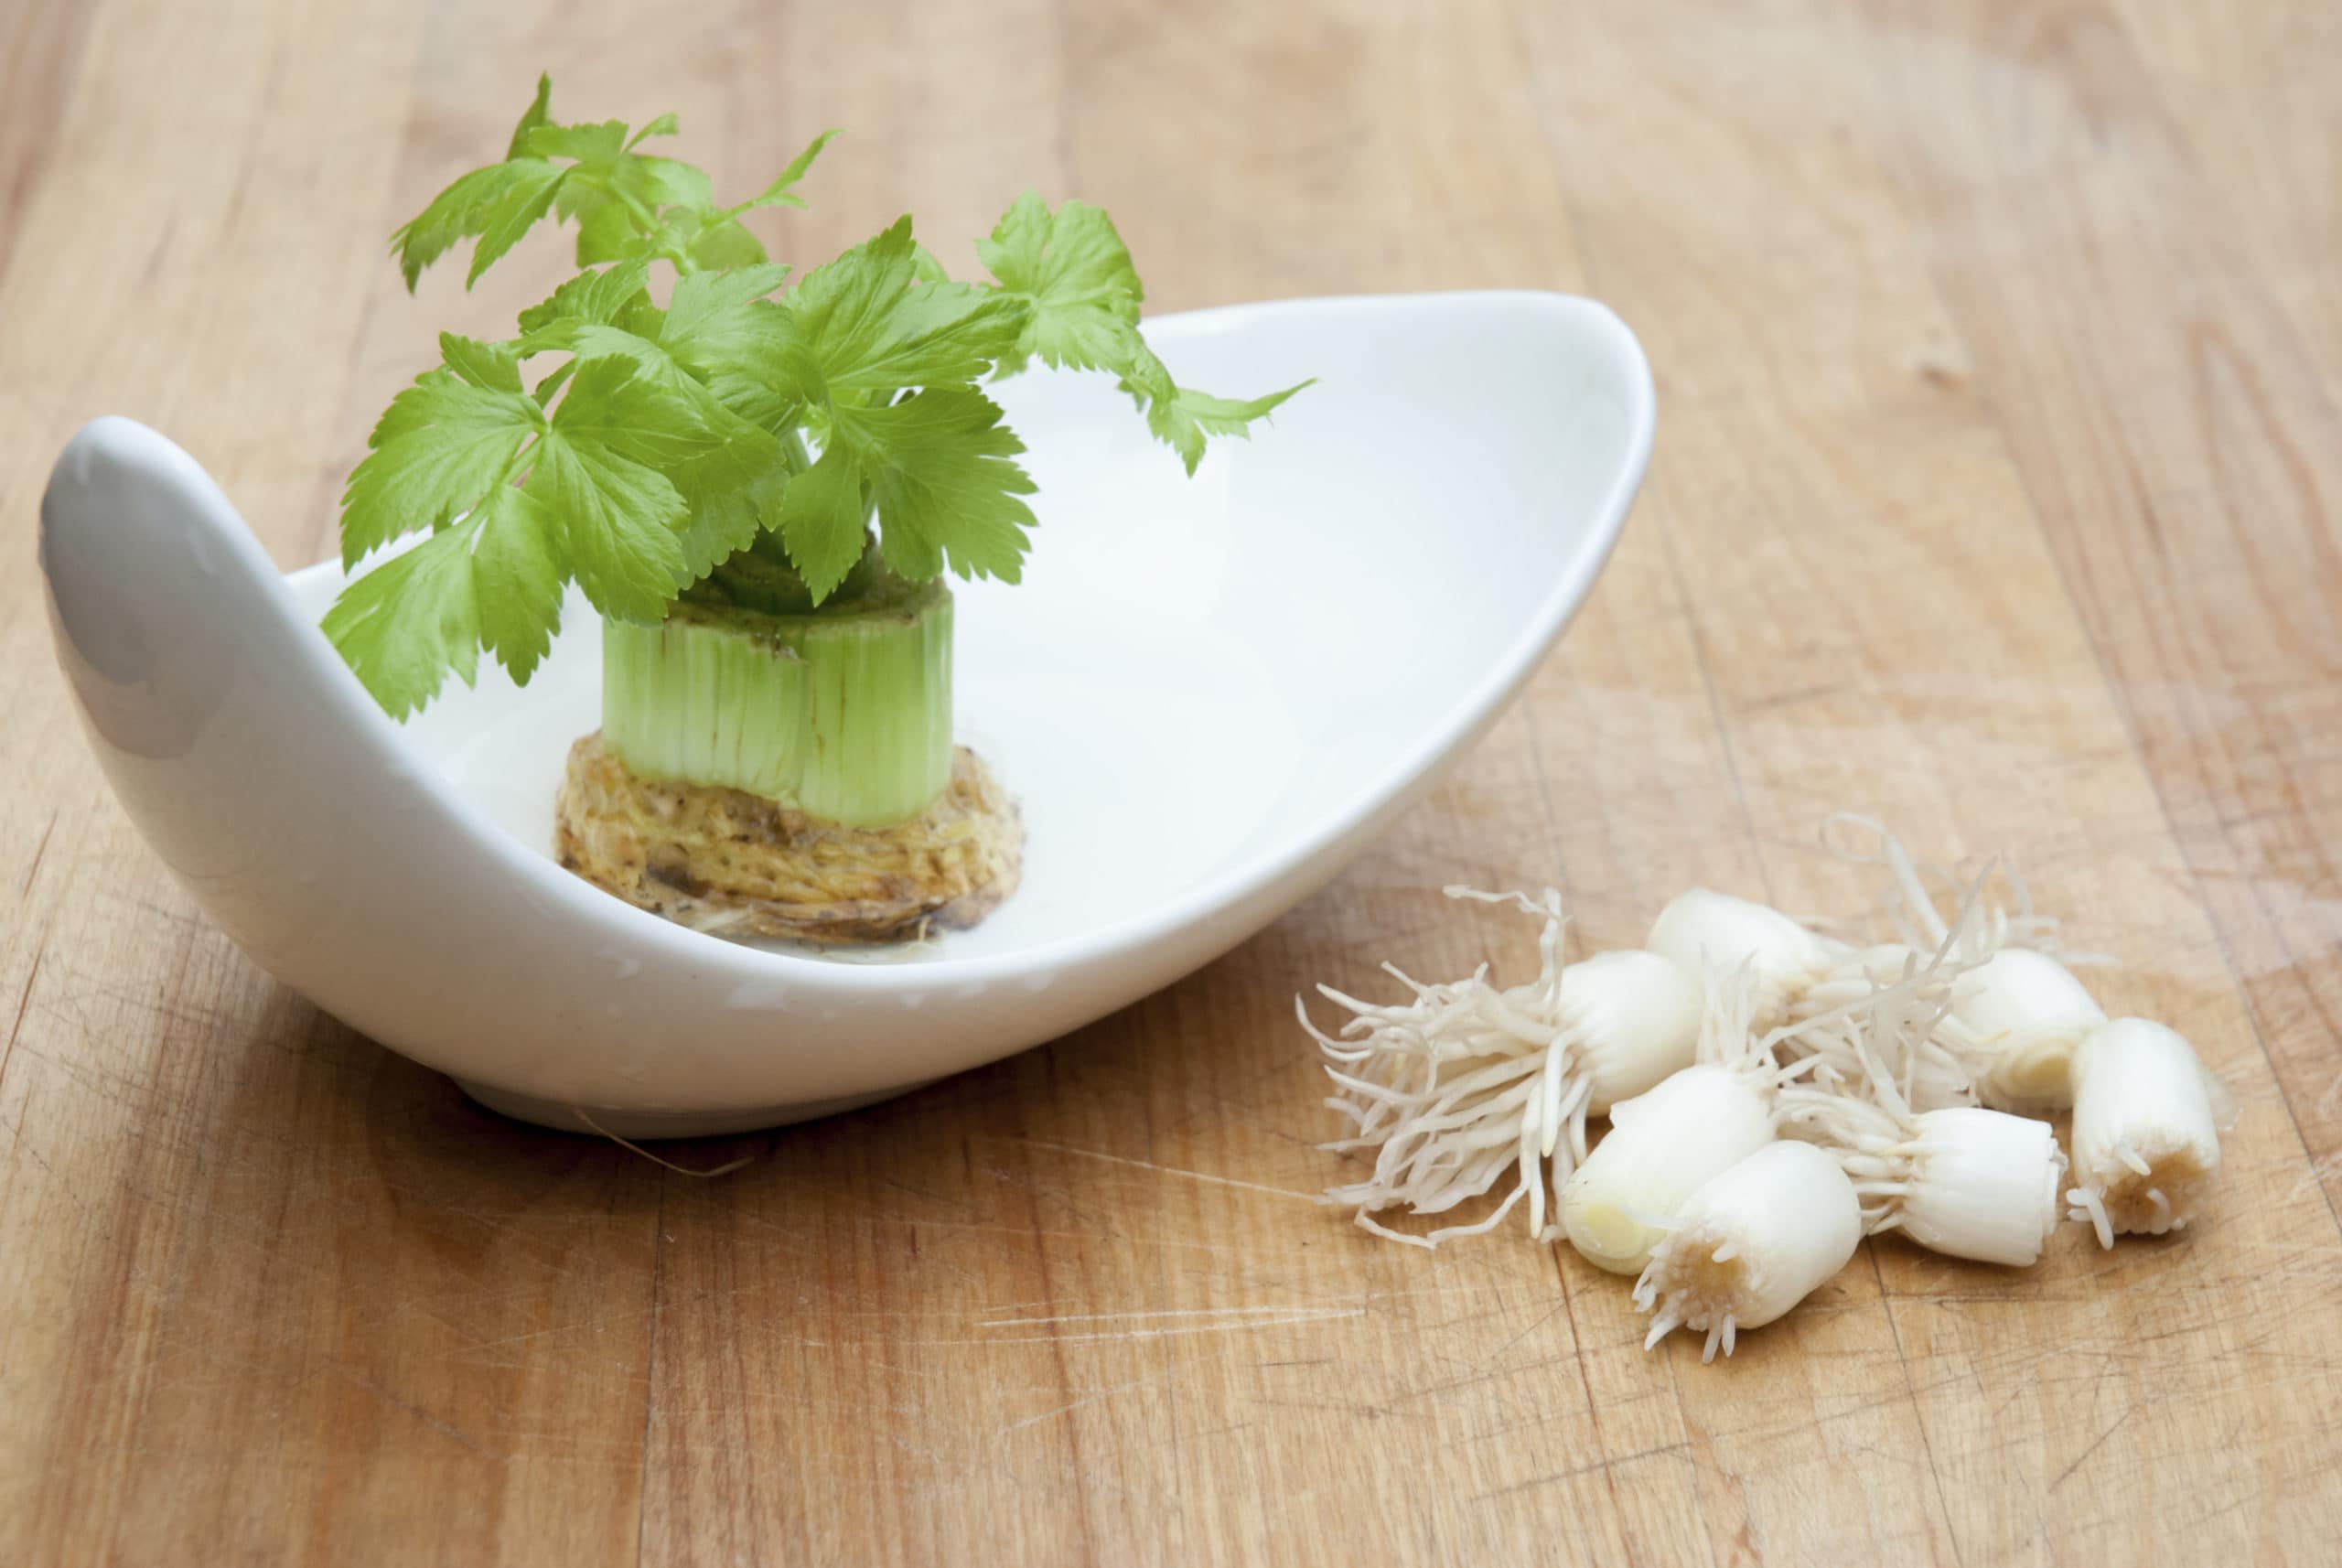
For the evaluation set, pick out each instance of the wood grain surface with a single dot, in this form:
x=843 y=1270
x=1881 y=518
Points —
x=1999 y=345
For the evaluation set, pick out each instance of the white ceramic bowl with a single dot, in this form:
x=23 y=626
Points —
x=1210 y=693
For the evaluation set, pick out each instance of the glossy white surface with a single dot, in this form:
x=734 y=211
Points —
x=1210 y=693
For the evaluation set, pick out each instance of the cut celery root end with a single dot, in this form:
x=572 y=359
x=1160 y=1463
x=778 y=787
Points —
x=732 y=863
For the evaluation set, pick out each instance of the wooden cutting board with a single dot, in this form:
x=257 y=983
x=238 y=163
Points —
x=1999 y=347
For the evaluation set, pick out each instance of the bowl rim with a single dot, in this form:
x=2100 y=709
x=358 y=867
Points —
x=1231 y=884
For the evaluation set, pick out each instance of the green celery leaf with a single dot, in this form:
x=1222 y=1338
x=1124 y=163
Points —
x=538 y=114
x=517 y=578
x=1072 y=269
x=765 y=400
x=595 y=340
x=1182 y=417
x=738 y=451
x=553 y=383
x=865 y=324
x=457 y=213
x=404 y=624
x=464 y=208
x=712 y=304
x=1076 y=273
x=626 y=204
x=618 y=521
x=599 y=468
x=669 y=182
x=723 y=244
x=494 y=581
x=720 y=525
x=610 y=296
x=943 y=477
x=526 y=199
x=610 y=316
x=1187 y=417
x=605 y=230
x=778 y=193
x=492 y=367
x=438 y=449
x=598 y=146
x=727 y=318
x=664 y=125
x=821 y=519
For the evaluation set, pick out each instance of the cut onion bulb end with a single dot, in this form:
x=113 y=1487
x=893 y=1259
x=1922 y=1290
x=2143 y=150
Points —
x=1749 y=1244
x=2145 y=1131
x=2015 y=1021
x=1618 y=1204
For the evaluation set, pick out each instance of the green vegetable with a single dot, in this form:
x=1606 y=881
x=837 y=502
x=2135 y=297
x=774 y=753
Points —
x=835 y=711
x=632 y=447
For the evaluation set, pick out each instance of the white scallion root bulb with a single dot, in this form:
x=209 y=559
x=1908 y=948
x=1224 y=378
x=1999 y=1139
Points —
x=1959 y=1179
x=1749 y=1244
x=1468 y=1082
x=1634 y=1020
x=1962 y=1180
x=1972 y=1183
x=1664 y=1144
x=2016 y=1019
x=2006 y=1018
x=2145 y=1134
x=1705 y=931
x=1662 y=1147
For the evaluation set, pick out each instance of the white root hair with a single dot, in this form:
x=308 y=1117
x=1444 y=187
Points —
x=1459 y=1086
x=1897 y=1003
x=1912 y=915
x=1451 y=1087
x=1959 y=1178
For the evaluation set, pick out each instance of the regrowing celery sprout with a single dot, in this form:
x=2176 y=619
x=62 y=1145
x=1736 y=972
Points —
x=760 y=485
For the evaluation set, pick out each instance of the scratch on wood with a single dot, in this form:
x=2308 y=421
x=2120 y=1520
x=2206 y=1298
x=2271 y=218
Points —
x=2096 y=1443
x=1681 y=1450
x=1310 y=1197
x=38 y=850
x=1264 y=1308
x=1918 y=1416
x=453 y=1433
x=23 y=1001
x=1089 y=1400
x=650 y=1374
x=1297 y=1318
x=1290 y=1319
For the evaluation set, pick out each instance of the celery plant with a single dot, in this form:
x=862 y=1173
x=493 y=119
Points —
x=759 y=485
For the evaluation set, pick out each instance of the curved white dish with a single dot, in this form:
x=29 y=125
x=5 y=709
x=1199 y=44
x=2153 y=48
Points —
x=1210 y=694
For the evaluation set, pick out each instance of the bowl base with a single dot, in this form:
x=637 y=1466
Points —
x=643 y=1125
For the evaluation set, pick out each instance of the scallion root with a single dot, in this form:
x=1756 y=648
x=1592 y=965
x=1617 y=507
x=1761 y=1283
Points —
x=1620 y=1202
x=2145 y=1132
x=1961 y=1179
x=1910 y=911
x=1776 y=1089
x=1466 y=1084
x=1753 y=1241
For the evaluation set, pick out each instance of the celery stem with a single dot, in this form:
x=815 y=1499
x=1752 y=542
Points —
x=844 y=713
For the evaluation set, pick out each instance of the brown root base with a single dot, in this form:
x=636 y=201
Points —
x=736 y=864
